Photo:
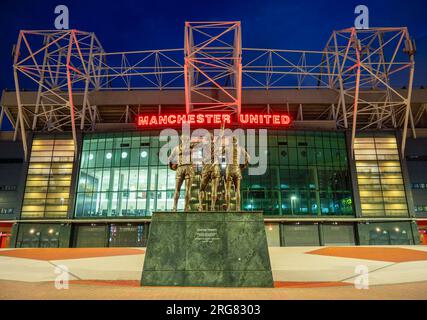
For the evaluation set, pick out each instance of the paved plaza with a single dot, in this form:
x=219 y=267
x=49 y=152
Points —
x=299 y=273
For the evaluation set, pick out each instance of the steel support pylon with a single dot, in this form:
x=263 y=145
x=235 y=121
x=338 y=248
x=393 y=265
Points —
x=213 y=66
x=61 y=65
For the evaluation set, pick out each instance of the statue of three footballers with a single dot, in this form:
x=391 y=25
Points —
x=236 y=158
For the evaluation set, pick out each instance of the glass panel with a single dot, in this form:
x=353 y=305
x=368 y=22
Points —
x=385 y=233
x=338 y=234
x=49 y=178
x=380 y=180
x=91 y=236
x=272 y=231
x=294 y=235
x=128 y=235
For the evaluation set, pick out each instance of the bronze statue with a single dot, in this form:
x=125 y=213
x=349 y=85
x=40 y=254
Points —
x=180 y=160
x=237 y=159
x=211 y=171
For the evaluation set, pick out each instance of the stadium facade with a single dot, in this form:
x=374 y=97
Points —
x=346 y=134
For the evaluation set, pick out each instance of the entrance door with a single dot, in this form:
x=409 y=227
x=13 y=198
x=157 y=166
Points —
x=5 y=233
x=422 y=231
x=4 y=240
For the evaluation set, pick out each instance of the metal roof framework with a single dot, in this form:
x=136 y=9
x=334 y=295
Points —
x=67 y=67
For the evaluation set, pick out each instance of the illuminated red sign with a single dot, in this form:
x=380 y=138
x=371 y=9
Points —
x=264 y=119
x=209 y=119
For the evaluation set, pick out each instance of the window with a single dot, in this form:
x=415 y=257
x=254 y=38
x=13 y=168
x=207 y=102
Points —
x=381 y=186
x=272 y=231
x=308 y=175
x=385 y=233
x=299 y=234
x=49 y=178
x=129 y=235
x=120 y=176
x=89 y=236
x=42 y=235
x=335 y=234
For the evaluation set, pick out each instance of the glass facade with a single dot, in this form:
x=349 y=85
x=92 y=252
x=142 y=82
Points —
x=387 y=233
x=121 y=176
x=111 y=235
x=49 y=176
x=379 y=176
x=307 y=174
x=44 y=235
x=317 y=234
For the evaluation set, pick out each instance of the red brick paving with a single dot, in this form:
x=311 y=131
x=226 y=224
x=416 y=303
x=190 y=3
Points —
x=277 y=284
x=45 y=290
x=47 y=254
x=373 y=253
x=308 y=284
x=120 y=283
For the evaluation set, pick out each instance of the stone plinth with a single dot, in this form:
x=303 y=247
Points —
x=218 y=249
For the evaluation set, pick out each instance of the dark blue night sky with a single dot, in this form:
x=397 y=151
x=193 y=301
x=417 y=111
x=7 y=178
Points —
x=136 y=25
